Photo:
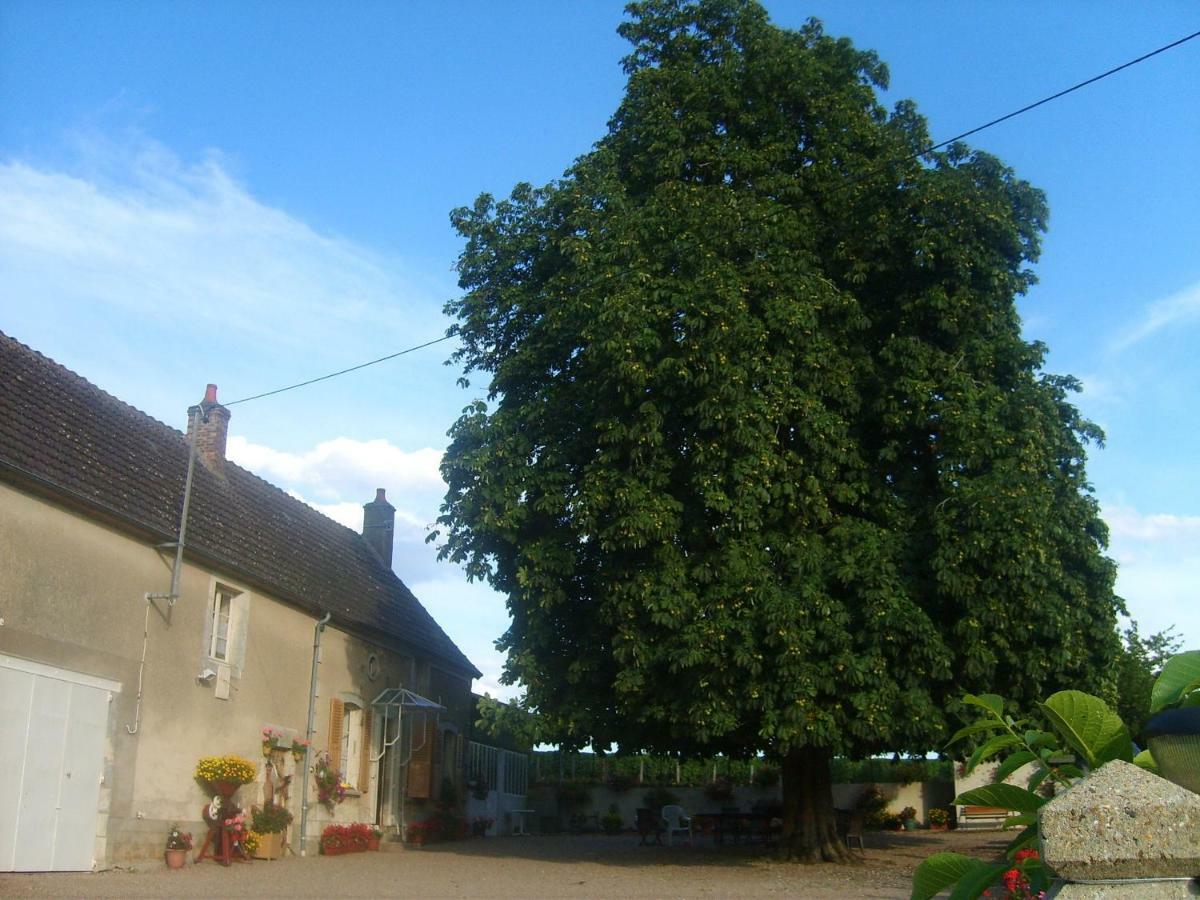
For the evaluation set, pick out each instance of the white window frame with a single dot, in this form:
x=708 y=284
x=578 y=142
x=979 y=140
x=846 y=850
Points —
x=236 y=627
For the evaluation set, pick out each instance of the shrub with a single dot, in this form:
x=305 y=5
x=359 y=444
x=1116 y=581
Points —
x=939 y=815
x=611 y=820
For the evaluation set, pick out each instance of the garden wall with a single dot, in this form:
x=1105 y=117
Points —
x=549 y=815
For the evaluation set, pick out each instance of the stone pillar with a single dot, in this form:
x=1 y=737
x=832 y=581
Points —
x=1122 y=832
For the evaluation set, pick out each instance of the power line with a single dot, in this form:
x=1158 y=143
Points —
x=1063 y=93
x=930 y=149
x=292 y=387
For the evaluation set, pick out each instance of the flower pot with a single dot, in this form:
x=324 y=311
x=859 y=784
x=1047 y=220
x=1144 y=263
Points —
x=225 y=788
x=373 y=842
x=910 y=824
x=1174 y=739
x=176 y=859
x=270 y=846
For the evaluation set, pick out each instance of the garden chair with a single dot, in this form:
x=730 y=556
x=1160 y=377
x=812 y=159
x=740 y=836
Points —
x=649 y=823
x=676 y=821
x=850 y=826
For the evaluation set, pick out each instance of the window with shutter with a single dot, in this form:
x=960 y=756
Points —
x=334 y=747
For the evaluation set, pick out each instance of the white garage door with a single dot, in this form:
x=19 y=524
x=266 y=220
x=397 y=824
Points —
x=52 y=728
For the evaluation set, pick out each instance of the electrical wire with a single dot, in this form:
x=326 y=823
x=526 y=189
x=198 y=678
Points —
x=920 y=153
x=292 y=387
x=1062 y=93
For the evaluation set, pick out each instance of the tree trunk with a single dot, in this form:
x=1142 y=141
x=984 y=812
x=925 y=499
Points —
x=809 y=822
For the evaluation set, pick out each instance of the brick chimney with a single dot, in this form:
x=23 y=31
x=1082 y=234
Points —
x=379 y=522
x=213 y=430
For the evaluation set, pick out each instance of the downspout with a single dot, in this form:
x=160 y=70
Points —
x=318 y=629
x=176 y=569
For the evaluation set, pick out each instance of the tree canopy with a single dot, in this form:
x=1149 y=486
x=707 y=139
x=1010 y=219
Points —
x=765 y=462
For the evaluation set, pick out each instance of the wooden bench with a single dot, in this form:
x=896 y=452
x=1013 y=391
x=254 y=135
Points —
x=980 y=813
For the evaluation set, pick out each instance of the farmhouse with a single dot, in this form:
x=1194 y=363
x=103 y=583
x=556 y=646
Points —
x=124 y=657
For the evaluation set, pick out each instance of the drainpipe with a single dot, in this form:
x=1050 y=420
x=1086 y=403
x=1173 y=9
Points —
x=318 y=629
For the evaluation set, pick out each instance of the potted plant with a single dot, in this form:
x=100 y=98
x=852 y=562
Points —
x=1173 y=731
x=908 y=818
x=939 y=818
x=610 y=822
x=272 y=740
x=179 y=842
x=374 y=839
x=331 y=790
x=299 y=749
x=223 y=775
x=252 y=843
x=480 y=825
x=270 y=822
x=332 y=841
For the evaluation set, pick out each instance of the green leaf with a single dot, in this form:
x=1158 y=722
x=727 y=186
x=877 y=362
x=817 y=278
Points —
x=980 y=877
x=1011 y=764
x=1022 y=819
x=1005 y=796
x=1027 y=838
x=991 y=748
x=1089 y=726
x=1179 y=677
x=993 y=703
x=1146 y=760
x=973 y=728
x=939 y=872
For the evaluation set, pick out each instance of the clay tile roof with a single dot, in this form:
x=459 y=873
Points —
x=65 y=438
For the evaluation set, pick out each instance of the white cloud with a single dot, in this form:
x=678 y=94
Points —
x=133 y=229
x=344 y=467
x=1159 y=568
x=338 y=476
x=1177 y=309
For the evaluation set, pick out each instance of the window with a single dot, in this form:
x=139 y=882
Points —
x=225 y=627
x=350 y=742
x=222 y=608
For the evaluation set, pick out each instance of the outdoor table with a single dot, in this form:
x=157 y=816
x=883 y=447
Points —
x=751 y=825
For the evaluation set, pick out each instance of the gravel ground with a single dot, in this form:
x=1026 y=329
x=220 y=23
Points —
x=568 y=867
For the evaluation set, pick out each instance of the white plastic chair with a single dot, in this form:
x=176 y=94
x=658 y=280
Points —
x=677 y=820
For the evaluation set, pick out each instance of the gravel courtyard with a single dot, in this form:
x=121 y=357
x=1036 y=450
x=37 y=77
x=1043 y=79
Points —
x=568 y=867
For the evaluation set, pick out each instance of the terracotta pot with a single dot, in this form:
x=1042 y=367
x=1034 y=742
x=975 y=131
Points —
x=225 y=788
x=176 y=859
x=373 y=842
x=332 y=851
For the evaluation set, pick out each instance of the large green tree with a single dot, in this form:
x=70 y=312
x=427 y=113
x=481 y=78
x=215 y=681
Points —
x=765 y=463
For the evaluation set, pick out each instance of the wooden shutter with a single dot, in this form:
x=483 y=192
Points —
x=364 y=754
x=420 y=767
x=337 y=711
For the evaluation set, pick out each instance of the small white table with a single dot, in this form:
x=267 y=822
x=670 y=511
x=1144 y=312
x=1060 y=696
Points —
x=519 y=824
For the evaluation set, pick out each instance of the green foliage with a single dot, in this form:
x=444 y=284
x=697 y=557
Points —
x=1137 y=665
x=610 y=822
x=765 y=463
x=1179 y=683
x=1085 y=735
x=270 y=818
x=511 y=724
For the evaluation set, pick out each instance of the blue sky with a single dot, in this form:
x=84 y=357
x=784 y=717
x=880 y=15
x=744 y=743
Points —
x=255 y=194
